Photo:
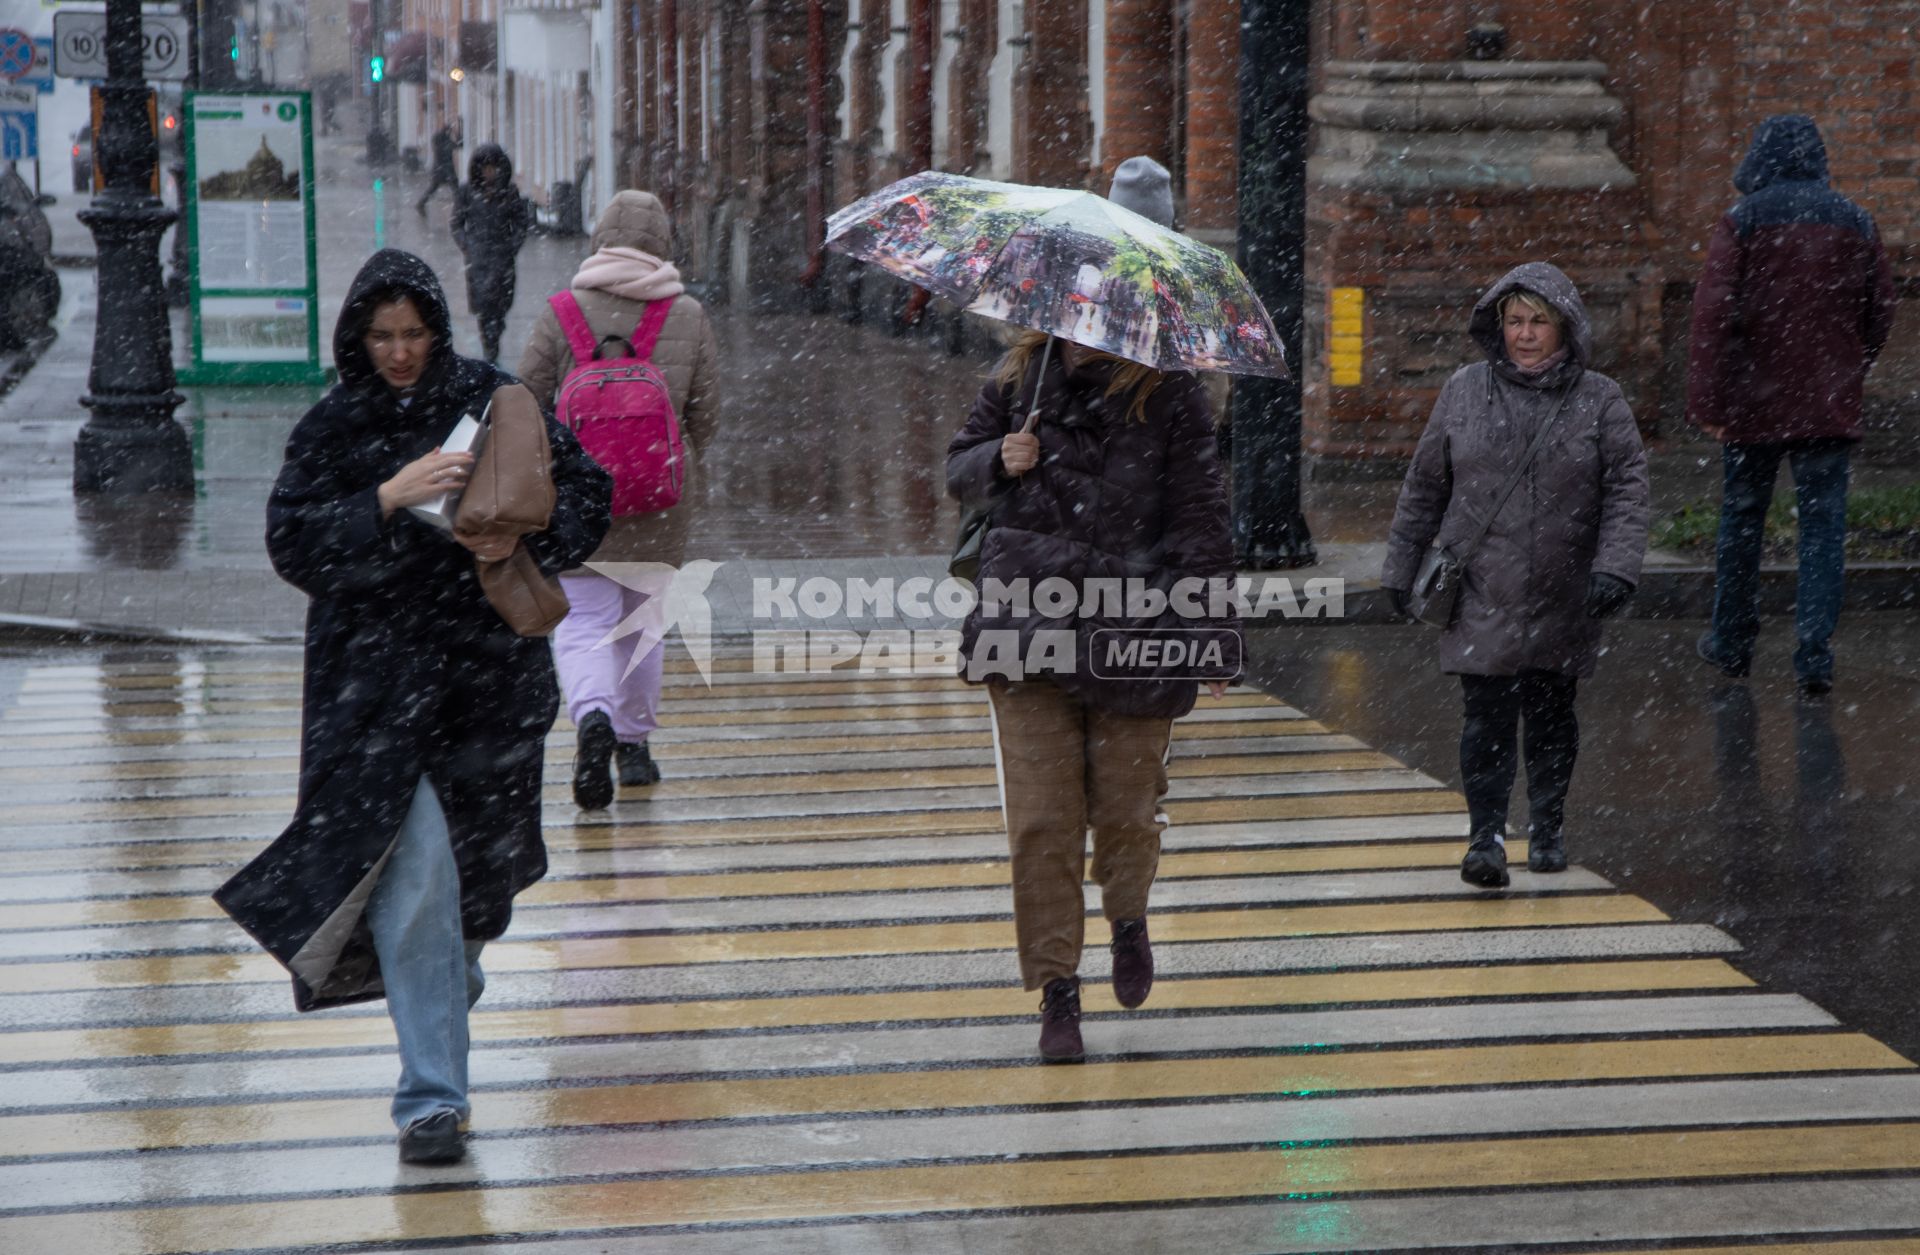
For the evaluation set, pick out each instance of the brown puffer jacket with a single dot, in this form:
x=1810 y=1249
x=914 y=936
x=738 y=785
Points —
x=687 y=354
x=1113 y=499
x=1581 y=507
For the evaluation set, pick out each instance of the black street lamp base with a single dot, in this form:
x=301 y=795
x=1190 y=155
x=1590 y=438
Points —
x=148 y=457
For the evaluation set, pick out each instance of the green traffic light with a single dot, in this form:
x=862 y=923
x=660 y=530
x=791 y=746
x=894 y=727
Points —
x=378 y=66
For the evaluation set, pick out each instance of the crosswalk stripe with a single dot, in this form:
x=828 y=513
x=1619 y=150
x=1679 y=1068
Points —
x=734 y=947
x=740 y=1014
x=1513 y=1162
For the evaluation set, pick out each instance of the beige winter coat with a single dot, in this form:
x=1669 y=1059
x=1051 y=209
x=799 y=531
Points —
x=687 y=355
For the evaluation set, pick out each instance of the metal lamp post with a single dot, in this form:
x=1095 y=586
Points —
x=1269 y=530
x=130 y=442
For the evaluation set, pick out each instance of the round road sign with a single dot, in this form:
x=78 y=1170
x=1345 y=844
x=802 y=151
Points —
x=16 y=53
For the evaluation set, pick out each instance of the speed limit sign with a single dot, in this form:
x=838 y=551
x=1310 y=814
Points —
x=80 y=45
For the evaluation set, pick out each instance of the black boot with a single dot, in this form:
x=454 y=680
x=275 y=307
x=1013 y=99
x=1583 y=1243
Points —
x=1547 y=851
x=1485 y=864
x=1060 y=1021
x=637 y=769
x=592 y=756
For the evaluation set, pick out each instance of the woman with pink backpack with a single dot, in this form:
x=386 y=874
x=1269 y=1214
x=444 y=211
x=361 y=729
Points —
x=598 y=357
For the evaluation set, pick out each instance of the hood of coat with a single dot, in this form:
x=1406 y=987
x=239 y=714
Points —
x=489 y=157
x=1786 y=148
x=388 y=275
x=634 y=220
x=1551 y=284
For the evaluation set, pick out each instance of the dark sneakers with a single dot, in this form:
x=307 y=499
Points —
x=1711 y=654
x=1547 y=852
x=433 y=1139
x=637 y=769
x=1060 y=1021
x=592 y=759
x=1485 y=864
x=1132 y=962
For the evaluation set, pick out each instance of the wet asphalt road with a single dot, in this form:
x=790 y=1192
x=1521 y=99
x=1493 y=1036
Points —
x=1793 y=824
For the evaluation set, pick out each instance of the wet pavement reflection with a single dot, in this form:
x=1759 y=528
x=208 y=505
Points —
x=1786 y=821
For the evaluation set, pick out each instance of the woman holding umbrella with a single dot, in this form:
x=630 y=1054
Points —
x=1097 y=468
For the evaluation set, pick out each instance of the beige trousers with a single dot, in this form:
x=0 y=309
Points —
x=1066 y=767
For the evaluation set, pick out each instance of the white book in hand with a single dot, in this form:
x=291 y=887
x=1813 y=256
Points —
x=466 y=437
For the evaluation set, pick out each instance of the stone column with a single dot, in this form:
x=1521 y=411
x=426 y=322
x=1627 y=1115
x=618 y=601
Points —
x=1051 y=127
x=1213 y=120
x=1140 y=84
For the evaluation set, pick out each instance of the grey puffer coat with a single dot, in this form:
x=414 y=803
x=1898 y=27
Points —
x=1581 y=508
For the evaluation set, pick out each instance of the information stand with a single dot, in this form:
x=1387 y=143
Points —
x=252 y=270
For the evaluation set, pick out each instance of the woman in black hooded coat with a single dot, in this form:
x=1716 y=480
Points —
x=490 y=223
x=424 y=716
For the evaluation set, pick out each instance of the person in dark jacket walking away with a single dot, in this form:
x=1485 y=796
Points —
x=424 y=716
x=1120 y=480
x=490 y=223
x=613 y=698
x=446 y=141
x=1562 y=553
x=1794 y=304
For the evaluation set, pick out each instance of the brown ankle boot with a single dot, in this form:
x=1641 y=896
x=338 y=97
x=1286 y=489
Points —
x=1060 y=1021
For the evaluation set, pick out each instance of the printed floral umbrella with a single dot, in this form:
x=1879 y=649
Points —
x=1069 y=263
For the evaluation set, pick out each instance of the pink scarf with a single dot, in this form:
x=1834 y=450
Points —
x=630 y=273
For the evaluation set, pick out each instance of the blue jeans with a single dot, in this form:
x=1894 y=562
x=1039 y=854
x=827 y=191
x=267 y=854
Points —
x=432 y=973
x=1820 y=481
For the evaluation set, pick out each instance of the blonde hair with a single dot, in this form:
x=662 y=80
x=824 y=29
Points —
x=1535 y=302
x=1131 y=377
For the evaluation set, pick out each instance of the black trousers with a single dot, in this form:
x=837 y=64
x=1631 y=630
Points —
x=1495 y=706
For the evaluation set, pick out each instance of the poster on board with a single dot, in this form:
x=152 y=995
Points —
x=250 y=214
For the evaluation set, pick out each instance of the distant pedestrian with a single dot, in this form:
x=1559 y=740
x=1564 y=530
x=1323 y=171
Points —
x=425 y=717
x=490 y=223
x=329 y=93
x=1794 y=304
x=1120 y=480
x=1559 y=554
x=613 y=700
x=448 y=140
x=1144 y=186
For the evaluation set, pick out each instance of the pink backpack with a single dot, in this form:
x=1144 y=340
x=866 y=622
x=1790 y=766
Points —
x=621 y=411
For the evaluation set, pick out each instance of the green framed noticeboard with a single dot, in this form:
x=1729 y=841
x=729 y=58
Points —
x=252 y=266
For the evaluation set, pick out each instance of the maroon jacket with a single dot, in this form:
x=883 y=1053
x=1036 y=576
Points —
x=1794 y=303
x=1113 y=498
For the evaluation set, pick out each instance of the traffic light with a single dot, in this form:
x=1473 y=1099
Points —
x=377 y=67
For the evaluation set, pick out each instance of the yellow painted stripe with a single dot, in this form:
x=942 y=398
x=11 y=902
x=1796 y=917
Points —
x=823 y=1010
x=589 y=891
x=936 y=938
x=288 y=738
x=1216 y=810
x=81 y=809
x=1692 y=1155
x=200 y=702
x=19 y=720
x=162 y=1128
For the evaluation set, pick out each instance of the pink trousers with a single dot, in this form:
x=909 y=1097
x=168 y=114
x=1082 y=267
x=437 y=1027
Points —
x=593 y=675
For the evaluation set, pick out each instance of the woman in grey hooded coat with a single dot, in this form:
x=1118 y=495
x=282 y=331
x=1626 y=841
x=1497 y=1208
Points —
x=1562 y=553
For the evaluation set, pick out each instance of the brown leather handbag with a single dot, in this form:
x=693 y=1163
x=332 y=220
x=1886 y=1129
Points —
x=511 y=493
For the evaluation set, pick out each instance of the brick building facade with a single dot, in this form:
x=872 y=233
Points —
x=1602 y=136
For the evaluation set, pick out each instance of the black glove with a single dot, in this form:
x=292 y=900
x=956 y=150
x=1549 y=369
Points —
x=1606 y=594
x=1402 y=602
